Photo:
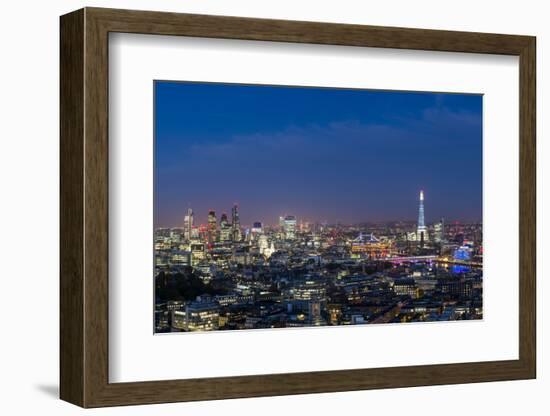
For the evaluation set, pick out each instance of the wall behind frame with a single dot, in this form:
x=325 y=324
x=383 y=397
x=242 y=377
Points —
x=30 y=193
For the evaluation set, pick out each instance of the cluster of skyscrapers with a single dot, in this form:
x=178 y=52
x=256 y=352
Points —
x=227 y=231
x=223 y=275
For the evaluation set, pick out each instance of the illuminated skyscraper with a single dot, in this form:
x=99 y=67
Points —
x=290 y=227
x=237 y=236
x=188 y=225
x=225 y=229
x=439 y=231
x=421 y=231
x=212 y=226
x=256 y=230
x=257 y=227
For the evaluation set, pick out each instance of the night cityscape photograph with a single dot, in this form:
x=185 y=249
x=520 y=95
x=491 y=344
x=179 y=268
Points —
x=289 y=207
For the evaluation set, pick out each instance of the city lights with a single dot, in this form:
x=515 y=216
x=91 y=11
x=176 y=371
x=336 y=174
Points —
x=225 y=275
x=291 y=206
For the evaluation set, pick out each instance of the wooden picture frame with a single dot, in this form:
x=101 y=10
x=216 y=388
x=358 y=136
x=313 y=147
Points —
x=84 y=207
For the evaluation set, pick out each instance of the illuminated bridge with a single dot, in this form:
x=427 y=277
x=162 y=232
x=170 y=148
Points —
x=432 y=259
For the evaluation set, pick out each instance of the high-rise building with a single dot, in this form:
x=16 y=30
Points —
x=201 y=315
x=257 y=227
x=256 y=231
x=212 y=227
x=236 y=224
x=421 y=230
x=439 y=231
x=290 y=227
x=225 y=229
x=188 y=225
x=197 y=253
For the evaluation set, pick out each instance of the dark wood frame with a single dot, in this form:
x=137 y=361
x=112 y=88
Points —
x=84 y=208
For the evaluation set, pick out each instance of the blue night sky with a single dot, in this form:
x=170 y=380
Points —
x=321 y=154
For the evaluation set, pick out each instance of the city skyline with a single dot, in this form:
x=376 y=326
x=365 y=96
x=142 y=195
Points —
x=293 y=207
x=202 y=218
x=302 y=161
x=223 y=276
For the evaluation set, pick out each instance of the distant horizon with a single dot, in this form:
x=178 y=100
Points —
x=321 y=154
x=451 y=222
x=201 y=219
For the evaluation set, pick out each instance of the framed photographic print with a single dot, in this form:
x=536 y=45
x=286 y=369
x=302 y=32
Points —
x=257 y=207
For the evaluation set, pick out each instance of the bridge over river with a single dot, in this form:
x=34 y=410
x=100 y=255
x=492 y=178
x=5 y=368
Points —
x=432 y=259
